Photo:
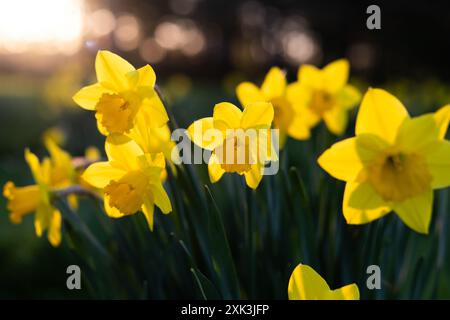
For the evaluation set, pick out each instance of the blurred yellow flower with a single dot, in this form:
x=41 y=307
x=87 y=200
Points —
x=273 y=90
x=220 y=133
x=324 y=94
x=62 y=170
x=307 y=284
x=121 y=94
x=393 y=163
x=130 y=180
x=36 y=198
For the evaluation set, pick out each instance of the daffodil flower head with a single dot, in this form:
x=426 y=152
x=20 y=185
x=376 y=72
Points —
x=273 y=90
x=121 y=94
x=307 y=284
x=239 y=140
x=324 y=94
x=35 y=198
x=130 y=179
x=393 y=163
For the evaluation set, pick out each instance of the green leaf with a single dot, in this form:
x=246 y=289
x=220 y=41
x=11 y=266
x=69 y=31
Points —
x=220 y=252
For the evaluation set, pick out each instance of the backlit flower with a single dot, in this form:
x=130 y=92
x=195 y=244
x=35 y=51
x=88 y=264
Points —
x=324 y=94
x=121 y=94
x=37 y=198
x=273 y=90
x=130 y=179
x=239 y=140
x=393 y=163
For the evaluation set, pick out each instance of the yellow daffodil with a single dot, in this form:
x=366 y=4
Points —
x=121 y=94
x=393 y=163
x=273 y=90
x=63 y=173
x=37 y=198
x=324 y=94
x=130 y=180
x=151 y=140
x=220 y=133
x=307 y=284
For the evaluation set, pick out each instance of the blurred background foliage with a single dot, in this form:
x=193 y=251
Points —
x=201 y=49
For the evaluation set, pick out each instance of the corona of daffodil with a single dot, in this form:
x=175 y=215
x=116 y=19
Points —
x=273 y=90
x=324 y=94
x=393 y=163
x=307 y=284
x=121 y=94
x=219 y=134
x=37 y=198
x=130 y=180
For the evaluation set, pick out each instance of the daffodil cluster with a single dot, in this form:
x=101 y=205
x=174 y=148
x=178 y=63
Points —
x=131 y=114
x=301 y=105
x=392 y=164
x=53 y=173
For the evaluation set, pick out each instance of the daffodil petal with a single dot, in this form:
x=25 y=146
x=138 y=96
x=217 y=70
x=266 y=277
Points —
x=203 y=134
x=310 y=76
x=348 y=292
x=438 y=163
x=342 y=160
x=274 y=84
x=336 y=120
x=362 y=204
x=99 y=174
x=335 y=75
x=416 y=133
x=147 y=76
x=248 y=93
x=254 y=176
x=54 y=228
x=88 y=97
x=42 y=218
x=381 y=114
x=215 y=170
x=161 y=198
x=226 y=116
x=442 y=117
x=416 y=212
x=297 y=129
x=122 y=154
x=148 y=208
x=345 y=159
x=154 y=112
x=306 y=284
x=257 y=115
x=111 y=70
x=348 y=96
x=35 y=167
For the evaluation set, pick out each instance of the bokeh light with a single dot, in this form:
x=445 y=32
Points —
x=45 y=26
x=127 y=34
